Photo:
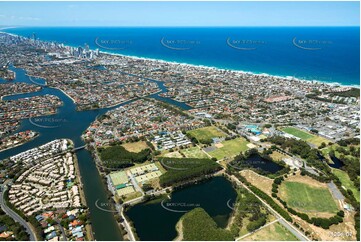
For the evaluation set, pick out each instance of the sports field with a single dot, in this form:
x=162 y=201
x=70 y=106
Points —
x=346 y=182
x=273 y=232
x=206 y=133
x=194 y=152
x=230 y=148
x=297 y=132
x=313 y=139
x=136 y=146
x=119 y=177
x=306 y=198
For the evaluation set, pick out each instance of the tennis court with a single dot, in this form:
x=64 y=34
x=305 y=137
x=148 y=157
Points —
x=141 y=170
x=148 y=176
x=119 y=177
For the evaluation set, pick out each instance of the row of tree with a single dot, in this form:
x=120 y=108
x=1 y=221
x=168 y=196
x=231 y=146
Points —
x=182 y=170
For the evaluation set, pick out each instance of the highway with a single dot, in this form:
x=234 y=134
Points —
x=15 y=216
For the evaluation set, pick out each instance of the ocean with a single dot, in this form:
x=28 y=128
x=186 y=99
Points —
x=326 y=54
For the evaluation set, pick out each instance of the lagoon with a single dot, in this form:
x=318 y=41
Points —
x=156 y=220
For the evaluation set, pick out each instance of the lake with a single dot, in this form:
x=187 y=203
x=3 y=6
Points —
x=156 y=220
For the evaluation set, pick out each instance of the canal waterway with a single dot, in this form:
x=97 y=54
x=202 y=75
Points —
x=70 y=124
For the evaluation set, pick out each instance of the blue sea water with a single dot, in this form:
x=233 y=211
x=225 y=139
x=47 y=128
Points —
x=327 y=54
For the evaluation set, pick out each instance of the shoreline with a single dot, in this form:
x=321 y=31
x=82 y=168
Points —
x=22 y=143
x=251 y=73
x=66 y=94
x=179 y=229
x=333 y=84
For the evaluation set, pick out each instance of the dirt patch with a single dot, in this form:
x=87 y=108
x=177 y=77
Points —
x=259 y=181
x=136 y=146
x=174 y=154
x=306 y=180
x=219 y=145
x=344 y=231
x=251 y=146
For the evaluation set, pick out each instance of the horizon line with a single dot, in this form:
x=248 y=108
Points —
x=182 y=26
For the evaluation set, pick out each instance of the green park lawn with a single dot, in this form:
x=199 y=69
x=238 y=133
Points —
x=306 y=198
x=346 y=182
x=230 y=148
x=273 y=232
x=206 y=133
x=194 y=152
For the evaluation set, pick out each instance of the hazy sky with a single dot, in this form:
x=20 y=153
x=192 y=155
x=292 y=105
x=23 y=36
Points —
x=180 y=13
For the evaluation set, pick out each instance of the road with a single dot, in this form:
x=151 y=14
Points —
x=15 y=216
x=61 y=230
x=285 y=223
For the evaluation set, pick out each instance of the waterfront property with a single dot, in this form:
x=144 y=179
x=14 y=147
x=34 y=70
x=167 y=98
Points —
x=16 y=139
x=13 y=111
x=49 y=166
x=47 y=180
